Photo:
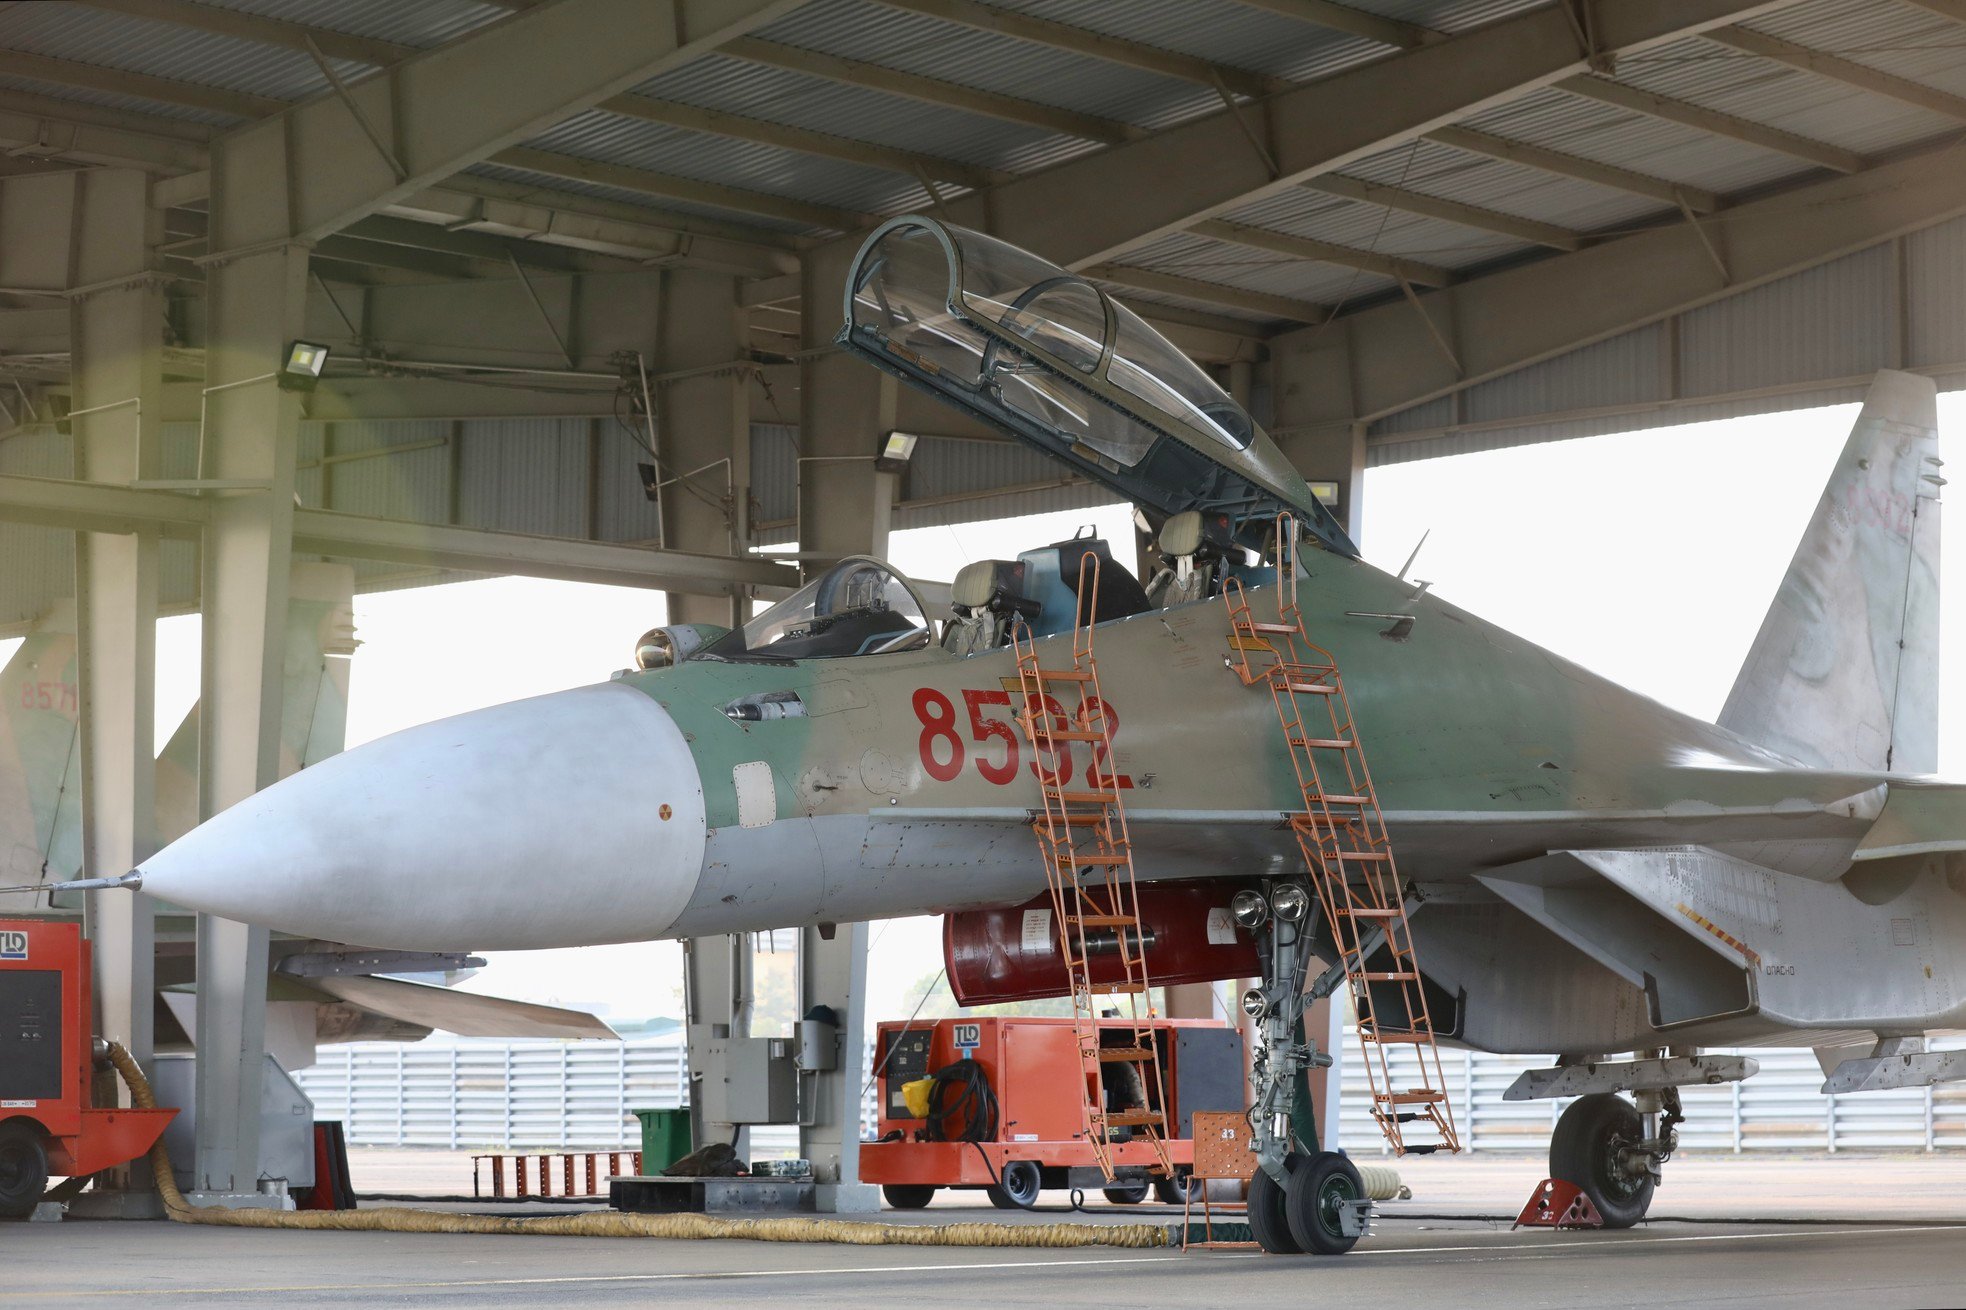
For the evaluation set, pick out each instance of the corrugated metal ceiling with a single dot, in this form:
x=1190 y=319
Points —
x=1888 y=35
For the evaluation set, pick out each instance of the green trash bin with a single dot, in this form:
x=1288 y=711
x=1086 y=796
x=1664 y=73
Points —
x=665 y=1139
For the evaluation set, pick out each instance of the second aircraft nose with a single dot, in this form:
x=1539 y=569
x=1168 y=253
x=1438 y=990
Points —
x=566 y=819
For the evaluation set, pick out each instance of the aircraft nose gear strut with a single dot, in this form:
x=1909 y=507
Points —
x=1301 y=1199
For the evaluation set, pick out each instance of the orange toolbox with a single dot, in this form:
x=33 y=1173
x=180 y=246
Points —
x=1010 y=1110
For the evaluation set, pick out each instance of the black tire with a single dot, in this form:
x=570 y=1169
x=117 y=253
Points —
x=1318 y=1189
x=23 y=1168
x=908 y=1196
x=1020 y=1187
x=1130 y=1195
x=1178 y=1190
x=1268 y=1223
x=1584 y=1151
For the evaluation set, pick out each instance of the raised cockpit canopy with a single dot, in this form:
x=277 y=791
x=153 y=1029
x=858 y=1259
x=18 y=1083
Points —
x=1044 y=355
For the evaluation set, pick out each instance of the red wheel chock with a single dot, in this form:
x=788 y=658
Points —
x=1557 y=1204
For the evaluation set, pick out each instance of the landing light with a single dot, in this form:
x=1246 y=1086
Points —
x=1290 y=902
x=1253 y=1004
x=1250 y=909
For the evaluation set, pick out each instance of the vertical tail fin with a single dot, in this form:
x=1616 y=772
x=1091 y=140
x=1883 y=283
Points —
x=40 y=764
x=314 y=713
x=1845 y=671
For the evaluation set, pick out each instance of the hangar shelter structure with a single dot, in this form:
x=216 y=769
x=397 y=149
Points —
x=577 y=266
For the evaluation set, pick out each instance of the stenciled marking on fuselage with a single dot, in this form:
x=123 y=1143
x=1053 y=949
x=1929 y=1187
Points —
x=944 y=752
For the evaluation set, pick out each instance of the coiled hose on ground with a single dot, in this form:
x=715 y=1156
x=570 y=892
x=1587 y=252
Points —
x=616 y=1224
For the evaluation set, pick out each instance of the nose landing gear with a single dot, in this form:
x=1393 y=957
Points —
x=1300 y=1202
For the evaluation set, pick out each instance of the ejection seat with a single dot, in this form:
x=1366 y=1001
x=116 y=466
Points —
x=1190 y=562
x=1051 y=579
x=986 y=597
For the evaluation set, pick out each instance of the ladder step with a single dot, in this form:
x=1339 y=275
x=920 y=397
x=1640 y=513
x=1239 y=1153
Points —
x=1103 y=920
x=1381 y=856
x=1254 y=626
x=1397 y=1039
x=1363 y=912
x=1060 y=734
x=1120 y=1054
x=1390 y=977
x=1132 y=1118
x=1310 y=688
x=1081 y=797
x=1340 y=800
x=1250 y=643
x=1323 y=743
x=1118 y=988
x=1418 y=1096
x=1428 y=1149
x=1061 y=675
x=1100 y=858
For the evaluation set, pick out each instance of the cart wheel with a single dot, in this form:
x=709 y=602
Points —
x=908 y=1196
x=1021 y=1183
x=1319 y=1188
x=23 y=1168
x=1178 y=1190
x=1267 y=1221
x=1133 y=1195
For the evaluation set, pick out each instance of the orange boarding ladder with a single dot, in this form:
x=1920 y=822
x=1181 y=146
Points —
x=1088 y=861
x=1342 y=835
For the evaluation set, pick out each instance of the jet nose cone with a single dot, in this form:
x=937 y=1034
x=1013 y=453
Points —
x=563 y=820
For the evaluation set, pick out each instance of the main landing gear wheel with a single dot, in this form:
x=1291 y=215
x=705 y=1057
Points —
x=1268 y=1222
x=1320 y=1189
x=1020 y=1186
x=1591 y=1148
x=23 y=1169
x=1178 y=1190
x=908 y=1196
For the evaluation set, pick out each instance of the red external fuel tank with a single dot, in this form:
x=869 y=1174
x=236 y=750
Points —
x=1011 y=953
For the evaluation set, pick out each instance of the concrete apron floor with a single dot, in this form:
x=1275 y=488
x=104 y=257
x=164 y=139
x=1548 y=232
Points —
x=1889 y=1230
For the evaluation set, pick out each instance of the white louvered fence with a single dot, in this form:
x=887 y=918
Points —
x=579 y=1095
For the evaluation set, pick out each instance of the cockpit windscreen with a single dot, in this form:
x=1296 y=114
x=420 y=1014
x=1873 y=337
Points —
x=860 y=606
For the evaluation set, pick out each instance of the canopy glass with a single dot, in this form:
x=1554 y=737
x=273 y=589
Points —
x=1044 y=355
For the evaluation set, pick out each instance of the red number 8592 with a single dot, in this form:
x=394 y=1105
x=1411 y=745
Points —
x=944 y=752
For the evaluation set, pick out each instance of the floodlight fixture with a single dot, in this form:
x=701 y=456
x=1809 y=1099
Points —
x=302 y=369
x=1289 y=902
x=897 y=448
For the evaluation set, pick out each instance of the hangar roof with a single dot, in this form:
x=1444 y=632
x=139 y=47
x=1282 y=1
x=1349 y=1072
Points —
x=838 y=112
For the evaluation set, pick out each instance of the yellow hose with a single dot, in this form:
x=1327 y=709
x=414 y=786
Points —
x=616 y=1224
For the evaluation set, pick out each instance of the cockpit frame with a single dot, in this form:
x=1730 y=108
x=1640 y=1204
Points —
x=1029 y=378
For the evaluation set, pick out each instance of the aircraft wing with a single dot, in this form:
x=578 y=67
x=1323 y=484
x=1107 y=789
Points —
x=464 y=1013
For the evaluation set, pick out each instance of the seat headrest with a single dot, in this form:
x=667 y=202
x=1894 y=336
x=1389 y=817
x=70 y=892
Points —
x=977 y=584
x=1181 y=534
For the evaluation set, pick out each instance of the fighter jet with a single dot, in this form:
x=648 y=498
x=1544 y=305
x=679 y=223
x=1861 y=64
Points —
x=1536 y=860
x=319 y=991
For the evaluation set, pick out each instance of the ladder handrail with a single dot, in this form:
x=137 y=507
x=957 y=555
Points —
x=1298 y=669
x=1074 y=898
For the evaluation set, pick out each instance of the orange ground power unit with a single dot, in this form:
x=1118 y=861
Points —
x=48 y=1120
x=1024 y=1128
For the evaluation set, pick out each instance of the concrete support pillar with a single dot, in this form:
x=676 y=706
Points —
x=254 y=304
x=704 y=424
x=116 y=331
x=717 y=1003
x=833 y=973
x=845 y=408
x=1311 y=388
